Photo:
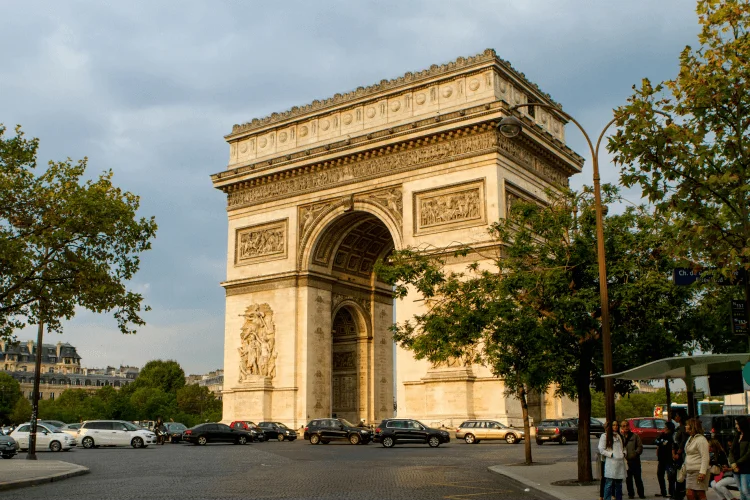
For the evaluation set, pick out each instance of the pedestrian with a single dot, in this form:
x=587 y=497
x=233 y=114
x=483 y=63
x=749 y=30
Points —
x=633 y=449
x=602 y=460
x=721 y=474
x=678 y=450
x=697 y=460
x=610 y=446
x=664 y=457
x=739 y=456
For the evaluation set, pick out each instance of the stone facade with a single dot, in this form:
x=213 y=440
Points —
x=214 y=381
x=316 y=195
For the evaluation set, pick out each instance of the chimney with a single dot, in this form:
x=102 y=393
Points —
x=30 y=346
x=59 y=345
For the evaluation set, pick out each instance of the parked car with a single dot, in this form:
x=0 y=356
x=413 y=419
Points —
x=8 y=446
x=256 y=433
x=174 y=431
x=215 y=432
x=648 y=428
x=277 y=430
x=71 y=429
x=556 y=430
x=50 y=422
x=113 y=433
x=47 y=437
x=474 y=431
x=392 y=431
x=596 y=427
x=323 y=431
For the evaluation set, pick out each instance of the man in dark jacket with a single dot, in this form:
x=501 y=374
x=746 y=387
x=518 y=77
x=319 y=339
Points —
x=664 y=444
x=678 y=450
x=633 y=449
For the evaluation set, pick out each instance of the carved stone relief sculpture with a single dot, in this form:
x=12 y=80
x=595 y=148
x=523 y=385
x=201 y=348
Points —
x=258 y=344
x=450 y=207
x=260 y=242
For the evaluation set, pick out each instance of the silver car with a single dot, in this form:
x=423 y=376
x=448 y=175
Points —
x=476 y=430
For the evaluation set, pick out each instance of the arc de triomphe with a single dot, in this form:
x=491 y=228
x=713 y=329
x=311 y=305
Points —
x=320 y=192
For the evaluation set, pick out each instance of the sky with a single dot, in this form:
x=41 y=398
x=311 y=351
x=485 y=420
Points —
x=149 y=89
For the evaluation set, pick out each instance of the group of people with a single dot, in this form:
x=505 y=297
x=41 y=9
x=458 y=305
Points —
x=689 y=461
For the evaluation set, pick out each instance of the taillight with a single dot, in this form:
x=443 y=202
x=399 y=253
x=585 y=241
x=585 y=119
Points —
x=713 y=430
x=306 y=428
x=188 y=432
x=377 y=430
x=557 y=430
x=458 y=429
x=537 y=430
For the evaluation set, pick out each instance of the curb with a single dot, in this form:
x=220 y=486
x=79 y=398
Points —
x=81 y=470
x=552 y=493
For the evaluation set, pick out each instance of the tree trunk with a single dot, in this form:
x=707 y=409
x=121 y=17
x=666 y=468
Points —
x=526 y=427
x=584 y=414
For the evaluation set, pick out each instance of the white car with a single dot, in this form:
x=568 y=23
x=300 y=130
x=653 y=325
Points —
x=47 y=437
x=71 y=429
x=108 y=433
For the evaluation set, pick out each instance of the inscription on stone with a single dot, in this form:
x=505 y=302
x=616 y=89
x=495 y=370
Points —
x=260 y=242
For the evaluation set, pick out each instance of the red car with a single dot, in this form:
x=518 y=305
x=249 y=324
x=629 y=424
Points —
x=255 y=432
x=648 y=428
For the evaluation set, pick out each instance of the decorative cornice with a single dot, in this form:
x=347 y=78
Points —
x=489 y=55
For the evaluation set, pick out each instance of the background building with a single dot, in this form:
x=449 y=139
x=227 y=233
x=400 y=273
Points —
x=61 y=369
x=214 y=381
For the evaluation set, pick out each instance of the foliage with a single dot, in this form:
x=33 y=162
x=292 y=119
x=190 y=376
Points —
x=198 y=400
x=635 y=404
x=167 y=375
x=21 y=411
x=65 y=243
x=534 y=317
x=10 y=392
x=686 y=142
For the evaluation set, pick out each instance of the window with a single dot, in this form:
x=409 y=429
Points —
x=660 y=424
x=99 y=425
x=51 y=370
x=646 y=423
x=51 y=396
x=25 y=428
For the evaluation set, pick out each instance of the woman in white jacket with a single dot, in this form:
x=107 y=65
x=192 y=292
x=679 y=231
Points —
x=697 y=458
x=610 y=446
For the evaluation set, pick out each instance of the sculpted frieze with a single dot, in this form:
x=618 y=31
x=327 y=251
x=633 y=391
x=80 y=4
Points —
x=260 y=242
x=344 y=360
x=258 y=343
x=449 y=207
x=344 y=174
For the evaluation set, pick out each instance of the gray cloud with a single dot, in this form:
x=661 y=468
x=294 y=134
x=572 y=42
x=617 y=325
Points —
x=150 y=89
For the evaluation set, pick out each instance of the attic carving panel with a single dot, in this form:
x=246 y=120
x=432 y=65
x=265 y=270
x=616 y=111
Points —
x=261 y=242
x=450 y=207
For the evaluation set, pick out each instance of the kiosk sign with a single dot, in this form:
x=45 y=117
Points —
x=739 y=317
x=687 y=276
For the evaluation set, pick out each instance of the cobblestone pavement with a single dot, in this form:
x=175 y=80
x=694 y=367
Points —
x=295 y=470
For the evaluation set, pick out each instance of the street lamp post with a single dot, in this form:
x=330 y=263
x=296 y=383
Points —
x=511 y=126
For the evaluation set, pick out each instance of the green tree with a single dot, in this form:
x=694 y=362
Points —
x=150 y=403
x=10 y=392
x=536 y=313
x=65 y=243
x=166 y=375
x=686 y=142
x=21 y=411
x=197 y=400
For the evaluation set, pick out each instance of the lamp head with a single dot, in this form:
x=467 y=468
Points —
x=510 y=126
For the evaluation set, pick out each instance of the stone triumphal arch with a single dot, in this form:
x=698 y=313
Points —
x=317 y=194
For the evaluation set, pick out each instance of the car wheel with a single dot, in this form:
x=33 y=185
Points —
x=563 y=440
x=469 y=438
x=202 y=440
x=388 y=442
x=137 y=442
x=55 y=446
x=510 y=438
x=280 y=437
x=354 y=439
x=242 y=440
x=314 y=439
x=539 y=442
x=433 y=441
x=8 y=456
x=87 y=442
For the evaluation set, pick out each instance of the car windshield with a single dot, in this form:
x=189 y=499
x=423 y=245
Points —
x=281 y=425
x=176 y=426
x=346 y=423
x=250 y=423
x=130 y=427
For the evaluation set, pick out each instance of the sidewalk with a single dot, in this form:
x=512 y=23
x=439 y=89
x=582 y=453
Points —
x=21 y=473
x=542 y=476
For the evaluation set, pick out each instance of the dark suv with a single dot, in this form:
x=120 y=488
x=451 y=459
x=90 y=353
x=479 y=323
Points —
x=322 y=431
x=718 y=426
x=409 y=431
x=556 y=430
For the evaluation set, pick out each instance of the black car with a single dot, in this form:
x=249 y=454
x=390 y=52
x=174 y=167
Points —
x=408 y=431
x=215 y=432
x=322 y=431
x=256 y=433
x=278 y=431
x=556 y=430
x=174 y=431
x=718 y=426
x=596 y=428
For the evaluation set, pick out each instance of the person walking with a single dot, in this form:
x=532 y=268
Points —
x=721 y=474
x=611 y=447
x=739 y=456
x=602 y=459
x=697 y=459
x=633 y=449
x=678 y=451
x=664 y=457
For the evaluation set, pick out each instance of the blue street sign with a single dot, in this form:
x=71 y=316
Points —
x=687 y=276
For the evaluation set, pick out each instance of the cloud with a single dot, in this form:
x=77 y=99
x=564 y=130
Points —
x=149 y=90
